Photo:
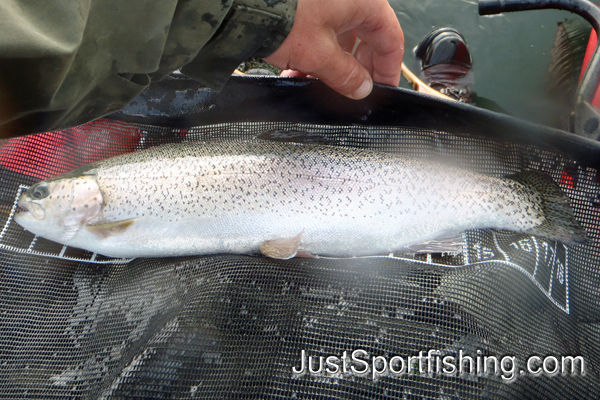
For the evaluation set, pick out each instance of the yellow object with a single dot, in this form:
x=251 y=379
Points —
x=420 y=86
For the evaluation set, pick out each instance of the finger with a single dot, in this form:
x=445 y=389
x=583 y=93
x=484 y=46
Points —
x=382 y=32
x=347 y=40
x=344 y=74
x=291 y=72
x=364 y=55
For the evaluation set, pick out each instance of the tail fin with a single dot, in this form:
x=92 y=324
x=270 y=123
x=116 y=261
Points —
x=560 y=223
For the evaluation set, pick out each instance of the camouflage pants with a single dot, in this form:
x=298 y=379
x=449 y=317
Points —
x=63 y=63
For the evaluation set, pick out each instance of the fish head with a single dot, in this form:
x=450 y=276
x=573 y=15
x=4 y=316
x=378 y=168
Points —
x=57 y=208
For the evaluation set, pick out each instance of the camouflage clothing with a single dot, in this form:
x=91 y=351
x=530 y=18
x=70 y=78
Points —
x=63 y=63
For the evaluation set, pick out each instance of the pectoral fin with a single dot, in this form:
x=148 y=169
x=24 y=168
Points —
x=111 y=228
x=68 y=232
x=282 y=249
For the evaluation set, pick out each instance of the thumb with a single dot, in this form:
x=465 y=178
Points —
x=344 y=74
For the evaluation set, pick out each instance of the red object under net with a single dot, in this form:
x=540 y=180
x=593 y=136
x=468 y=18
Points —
x=49 y=154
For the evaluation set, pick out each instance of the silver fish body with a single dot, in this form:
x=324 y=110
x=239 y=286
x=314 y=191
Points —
x=234 y=197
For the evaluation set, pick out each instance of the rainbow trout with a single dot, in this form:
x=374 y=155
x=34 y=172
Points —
x=281 y=198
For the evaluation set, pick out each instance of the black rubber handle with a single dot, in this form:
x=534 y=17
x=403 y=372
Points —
x=584 y=8
x=490 y=7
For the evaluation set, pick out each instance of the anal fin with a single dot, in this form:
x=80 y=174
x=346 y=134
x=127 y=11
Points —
x=453 y=242
x=281 y=249
x=111 y=228
x=305 y=254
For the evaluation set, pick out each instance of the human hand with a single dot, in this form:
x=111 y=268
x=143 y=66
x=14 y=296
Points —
x=324 y=34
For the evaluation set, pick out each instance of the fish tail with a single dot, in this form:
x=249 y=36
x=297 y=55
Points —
x=560 y=223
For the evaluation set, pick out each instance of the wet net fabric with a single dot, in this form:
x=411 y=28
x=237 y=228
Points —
x=80 y=325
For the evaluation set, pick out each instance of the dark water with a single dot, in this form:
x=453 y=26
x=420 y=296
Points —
x=510 y=52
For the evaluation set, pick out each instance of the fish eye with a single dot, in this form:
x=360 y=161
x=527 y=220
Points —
x=39 y=192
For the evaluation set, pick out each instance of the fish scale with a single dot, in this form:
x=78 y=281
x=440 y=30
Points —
x=239 y=197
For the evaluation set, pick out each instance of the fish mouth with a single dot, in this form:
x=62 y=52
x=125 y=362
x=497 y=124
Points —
x=25 y=207
x=22 y=207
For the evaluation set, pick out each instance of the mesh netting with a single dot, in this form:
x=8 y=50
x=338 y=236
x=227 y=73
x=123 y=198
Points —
x=80 y=325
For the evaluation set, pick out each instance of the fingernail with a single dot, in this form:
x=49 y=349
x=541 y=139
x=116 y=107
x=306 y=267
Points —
x=364 y=89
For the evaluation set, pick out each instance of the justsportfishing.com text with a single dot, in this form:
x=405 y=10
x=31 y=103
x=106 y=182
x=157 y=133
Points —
x=433 y=362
